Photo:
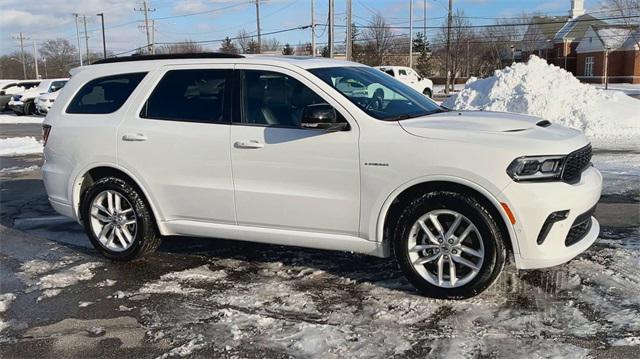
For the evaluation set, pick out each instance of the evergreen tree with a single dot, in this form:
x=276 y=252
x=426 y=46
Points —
x=287 y=50
x=228 y=46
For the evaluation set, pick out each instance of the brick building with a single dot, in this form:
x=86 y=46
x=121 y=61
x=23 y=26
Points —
x=555 y=38
x=616 y=45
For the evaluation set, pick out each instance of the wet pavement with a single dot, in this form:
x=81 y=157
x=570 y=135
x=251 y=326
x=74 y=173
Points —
x=216 y=298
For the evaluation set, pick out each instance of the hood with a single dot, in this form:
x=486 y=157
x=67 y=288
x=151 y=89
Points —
x=475 y=121
x=505 y=130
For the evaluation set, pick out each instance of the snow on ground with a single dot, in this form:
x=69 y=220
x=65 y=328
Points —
x=609 y=119
x=19 y=146
x=621 y=172
x=629 y=89
x=10 y=118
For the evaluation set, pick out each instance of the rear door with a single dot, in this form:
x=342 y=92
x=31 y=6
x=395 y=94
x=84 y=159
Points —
x=177 y=141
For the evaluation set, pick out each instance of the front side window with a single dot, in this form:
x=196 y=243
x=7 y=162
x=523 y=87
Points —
x=377 y=94
x=188 y=96
x=402 y=72
x=275 y=99
x=105 y=94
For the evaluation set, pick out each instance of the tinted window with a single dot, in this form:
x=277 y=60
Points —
x=275 y=99
x=105 y=94
x=402 y=72
x=377 y=94
x=188 y=95
x=390 y=72
x=57 y=85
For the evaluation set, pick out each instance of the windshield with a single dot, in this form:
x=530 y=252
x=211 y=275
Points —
x=376 y=93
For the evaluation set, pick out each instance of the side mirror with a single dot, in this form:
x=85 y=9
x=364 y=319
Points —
x=323 y=117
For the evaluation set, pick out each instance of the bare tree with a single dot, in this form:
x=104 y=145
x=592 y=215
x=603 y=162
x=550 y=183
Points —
x=11 y=66
x=184 y=47
x=243 y=38
x=60 y=57
x=271 y=44
x=378 y=37
x=628 y=10
x=461 y=38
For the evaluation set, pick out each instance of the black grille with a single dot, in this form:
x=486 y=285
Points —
x=580 y=228
x=575 y=164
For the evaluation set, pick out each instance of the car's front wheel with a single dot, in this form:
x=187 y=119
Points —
x=118 y=220
x=448 y=245
x=29 y=108
x=427 y=92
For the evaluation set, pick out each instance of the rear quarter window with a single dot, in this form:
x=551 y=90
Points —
x=105 y=94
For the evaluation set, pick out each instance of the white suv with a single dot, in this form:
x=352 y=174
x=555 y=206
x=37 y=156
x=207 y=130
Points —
x=269 y=149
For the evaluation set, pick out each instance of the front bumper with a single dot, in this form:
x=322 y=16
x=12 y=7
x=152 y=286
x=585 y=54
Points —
x=531 y=204
x=43 y=107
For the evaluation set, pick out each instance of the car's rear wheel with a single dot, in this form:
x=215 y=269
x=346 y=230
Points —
x=118 y=220
x=448 y=245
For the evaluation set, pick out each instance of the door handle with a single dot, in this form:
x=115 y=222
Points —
x=134 y=137
x=248 y=144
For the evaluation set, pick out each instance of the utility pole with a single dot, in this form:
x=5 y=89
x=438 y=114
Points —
x=349 y=33
x=313 y=27
x=449 y=21
x=606 y=68
x=424 y=26
x=146 y=9
x=104 y=41
x=24 y=64
x=35 y=58
x=258 y=25
x=410 y=33
x=44 y=62
x=86 y=38
x=331 y=26
x=78 y=36
x=153 y=37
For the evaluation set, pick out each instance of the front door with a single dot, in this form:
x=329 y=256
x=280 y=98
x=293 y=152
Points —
x=286 y=176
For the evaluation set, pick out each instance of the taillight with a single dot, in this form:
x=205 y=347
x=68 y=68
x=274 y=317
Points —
x=46 y=130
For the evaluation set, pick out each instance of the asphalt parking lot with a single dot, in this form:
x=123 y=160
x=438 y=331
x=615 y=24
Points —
x=217 y=298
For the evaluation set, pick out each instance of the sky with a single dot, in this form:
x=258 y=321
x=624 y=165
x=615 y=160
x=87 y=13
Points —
x=204 y=20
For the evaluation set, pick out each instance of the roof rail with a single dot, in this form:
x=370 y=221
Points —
x=199 y=55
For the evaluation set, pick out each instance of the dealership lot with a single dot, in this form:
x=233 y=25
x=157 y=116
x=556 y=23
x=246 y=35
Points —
x=211 y=297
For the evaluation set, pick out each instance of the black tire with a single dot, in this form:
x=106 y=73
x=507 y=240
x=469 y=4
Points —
x=146 y=239
x=427 y=92
x=492 y=239
x=29 y=108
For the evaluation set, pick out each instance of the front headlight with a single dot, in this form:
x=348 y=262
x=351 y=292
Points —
x=534 y=168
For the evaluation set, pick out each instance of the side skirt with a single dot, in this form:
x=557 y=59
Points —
x=334 y=242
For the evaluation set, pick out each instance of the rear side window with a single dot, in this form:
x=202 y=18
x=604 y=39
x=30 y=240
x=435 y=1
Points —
x=105 y=94
x=189 y=96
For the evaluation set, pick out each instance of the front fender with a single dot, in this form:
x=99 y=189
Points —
x=376 y=227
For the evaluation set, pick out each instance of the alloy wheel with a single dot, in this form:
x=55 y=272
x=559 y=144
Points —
x=446 y=248
x=113 y=221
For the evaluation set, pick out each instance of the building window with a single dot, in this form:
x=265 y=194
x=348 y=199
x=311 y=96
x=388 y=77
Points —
x=588 y=66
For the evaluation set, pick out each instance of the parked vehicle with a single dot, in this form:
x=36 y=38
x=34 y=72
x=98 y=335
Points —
x=11 y=88
x=409 y=77
x=23 y=103
x=273 y=150
x=44 y=102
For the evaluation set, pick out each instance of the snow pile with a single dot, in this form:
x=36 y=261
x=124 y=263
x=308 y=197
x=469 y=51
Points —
x=15 y=169
x=18 y=146
x=5 y=300
x=68 y=277
x=543 y=90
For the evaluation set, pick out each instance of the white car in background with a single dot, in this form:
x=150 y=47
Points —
x=409 y=77
x=23 y=103
x=44 y=102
